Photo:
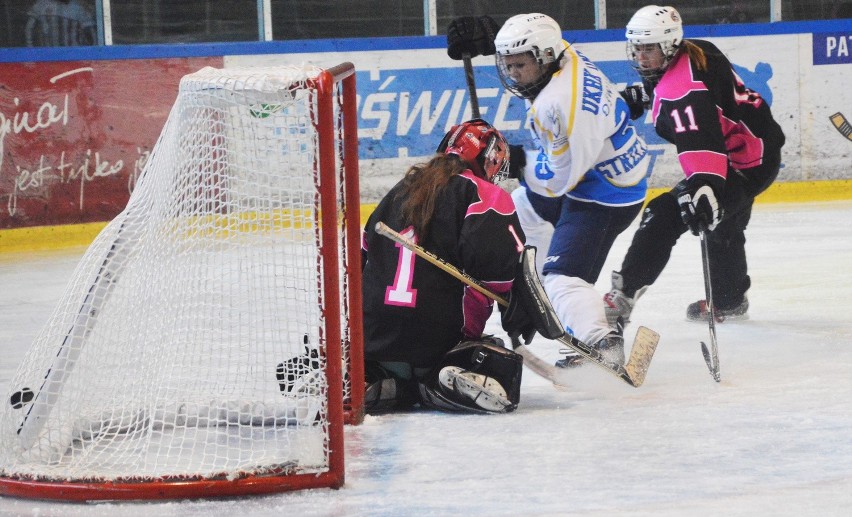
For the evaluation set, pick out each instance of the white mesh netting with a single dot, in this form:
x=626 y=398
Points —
x=160 y=360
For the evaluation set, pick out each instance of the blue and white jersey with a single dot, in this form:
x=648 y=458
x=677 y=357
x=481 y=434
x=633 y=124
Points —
x=587 y=147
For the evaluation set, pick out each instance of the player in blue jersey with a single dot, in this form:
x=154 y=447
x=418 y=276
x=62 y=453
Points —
x=583 y=181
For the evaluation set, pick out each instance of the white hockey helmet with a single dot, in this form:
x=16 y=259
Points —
x=654 y=24
x=537 y=34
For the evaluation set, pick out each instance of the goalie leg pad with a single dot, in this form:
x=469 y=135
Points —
x=477 y=376
x=484 y=391
x=385 y=392
x=387 y=395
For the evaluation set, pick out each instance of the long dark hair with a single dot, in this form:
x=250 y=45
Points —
x=696 y=54
x=421 y=187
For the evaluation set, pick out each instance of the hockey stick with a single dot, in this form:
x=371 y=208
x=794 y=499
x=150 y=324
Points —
x=478 y=40
x=471 y=85
x=711 y=356
x=633 y=372
x=842 y=125
x=72 y=343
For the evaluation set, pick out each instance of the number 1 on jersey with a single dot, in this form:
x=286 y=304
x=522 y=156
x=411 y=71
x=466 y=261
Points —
x=401 y=293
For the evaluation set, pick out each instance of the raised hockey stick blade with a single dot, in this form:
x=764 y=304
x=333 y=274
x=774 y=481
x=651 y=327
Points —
x=633 y=372
x=711 y=355
x=842 y=125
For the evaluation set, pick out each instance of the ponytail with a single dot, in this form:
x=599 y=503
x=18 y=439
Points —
x=696 y=55
x=421 y=187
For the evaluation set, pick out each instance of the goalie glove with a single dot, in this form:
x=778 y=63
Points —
x=529 y=310
x=296 y=369
x=471 y=35
x=516 y=320
x=699 y=207
x=637 y=100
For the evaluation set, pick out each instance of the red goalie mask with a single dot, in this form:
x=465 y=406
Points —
x=479 y=144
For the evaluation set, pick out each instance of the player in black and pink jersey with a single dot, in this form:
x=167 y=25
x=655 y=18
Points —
x=729 y=147
x=422 y=327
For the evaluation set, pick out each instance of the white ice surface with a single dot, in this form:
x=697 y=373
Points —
x=773 y=438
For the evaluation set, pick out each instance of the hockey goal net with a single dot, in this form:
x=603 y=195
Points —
x=209 y=342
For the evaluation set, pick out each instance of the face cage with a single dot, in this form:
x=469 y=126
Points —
x=503 y=174
x=488 y=157
x=652 y=75
x=526 y=91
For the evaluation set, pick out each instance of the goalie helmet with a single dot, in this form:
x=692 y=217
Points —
x=660 y=27
x=538 y=35
x=480 y=145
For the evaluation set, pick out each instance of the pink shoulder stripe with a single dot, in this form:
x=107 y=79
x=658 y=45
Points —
x=491 y=197
x=676 y=83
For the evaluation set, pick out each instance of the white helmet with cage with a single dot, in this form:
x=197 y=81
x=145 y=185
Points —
x=536 y=34
x=654 y=25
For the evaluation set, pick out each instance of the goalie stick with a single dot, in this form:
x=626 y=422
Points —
x=72 y=343
x=633 y=372
x=711 y=356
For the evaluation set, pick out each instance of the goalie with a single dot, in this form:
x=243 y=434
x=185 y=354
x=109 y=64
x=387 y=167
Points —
x=422 y=328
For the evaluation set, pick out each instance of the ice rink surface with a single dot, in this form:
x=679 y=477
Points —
x=773 y=438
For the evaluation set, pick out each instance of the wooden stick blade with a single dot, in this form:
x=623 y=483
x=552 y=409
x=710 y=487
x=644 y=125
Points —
x=641 y=354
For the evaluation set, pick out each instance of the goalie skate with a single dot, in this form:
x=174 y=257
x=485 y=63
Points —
x=484 y=391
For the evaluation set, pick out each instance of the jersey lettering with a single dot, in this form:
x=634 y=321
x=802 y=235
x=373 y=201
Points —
x=679 y=127
x=542 y=167
x=592 y=91
x=401 y=293
x=625 y=129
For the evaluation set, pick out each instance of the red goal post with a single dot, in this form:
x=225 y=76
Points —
x=209 y=343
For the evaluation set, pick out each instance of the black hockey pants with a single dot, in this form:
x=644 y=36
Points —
x=661 y=226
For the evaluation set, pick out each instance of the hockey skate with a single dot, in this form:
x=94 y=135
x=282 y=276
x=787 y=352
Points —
x=484 y=391
x=617 y=304
x=611 y=349
x=697 y=311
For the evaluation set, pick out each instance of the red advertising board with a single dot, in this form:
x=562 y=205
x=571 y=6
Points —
x=74 y=135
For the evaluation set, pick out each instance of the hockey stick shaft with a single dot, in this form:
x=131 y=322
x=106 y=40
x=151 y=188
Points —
x=533 y=362
x=471 y=85
x=632 y=373
x=711 y=356
x=72 y=343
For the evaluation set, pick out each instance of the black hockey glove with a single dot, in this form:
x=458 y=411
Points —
x=636 y=99
x=517 y=161
x=472 y=35
x=699 y=207
x=292 y=370
x=529 y=310
x=516 y=321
